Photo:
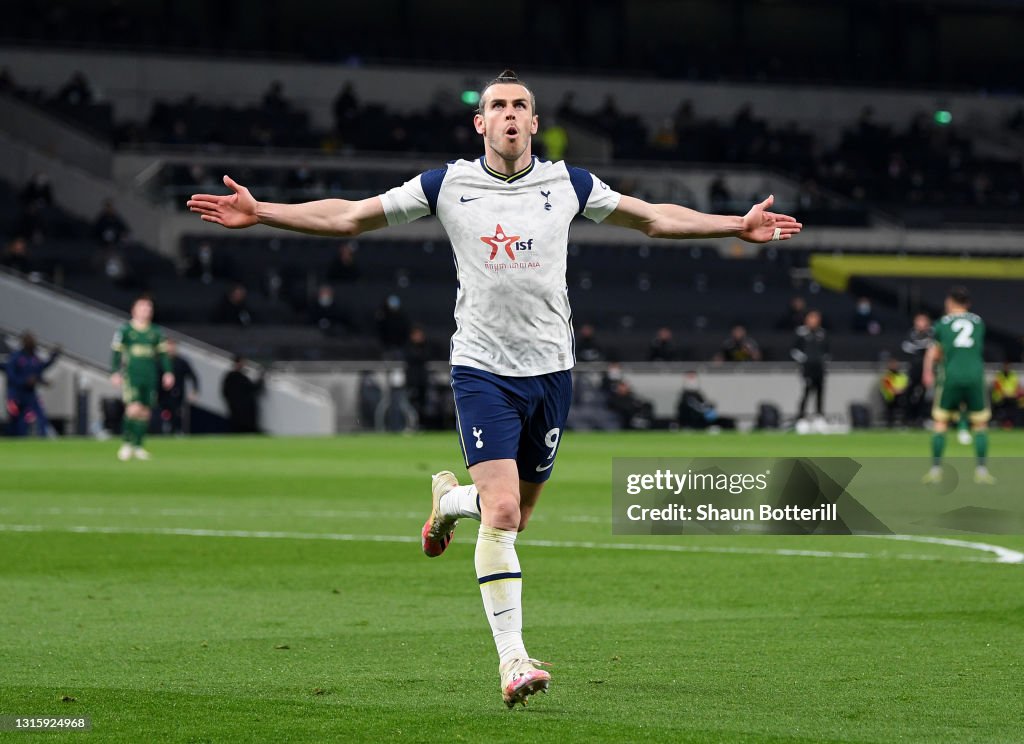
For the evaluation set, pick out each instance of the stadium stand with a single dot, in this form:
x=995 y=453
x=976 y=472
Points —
x=718 y=41
x=861 y=172
x=921 y=174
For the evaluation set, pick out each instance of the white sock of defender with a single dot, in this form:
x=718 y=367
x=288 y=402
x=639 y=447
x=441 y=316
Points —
x=461 y=501
x=501 y=586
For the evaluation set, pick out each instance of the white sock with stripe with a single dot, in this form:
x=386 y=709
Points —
x=501 y=586
x=461 y=501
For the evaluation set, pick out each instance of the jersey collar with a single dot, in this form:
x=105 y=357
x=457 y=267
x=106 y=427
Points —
x=501 y=176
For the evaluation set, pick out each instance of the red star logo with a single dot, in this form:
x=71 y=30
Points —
x=497 y=240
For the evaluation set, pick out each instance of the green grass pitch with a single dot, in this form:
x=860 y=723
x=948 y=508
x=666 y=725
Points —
x=273 y=590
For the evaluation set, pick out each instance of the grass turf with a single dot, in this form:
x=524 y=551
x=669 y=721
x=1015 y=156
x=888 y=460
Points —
x=197 y=598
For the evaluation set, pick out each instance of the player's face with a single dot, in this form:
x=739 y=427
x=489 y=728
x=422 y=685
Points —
x=142 y=311
x=507 y=121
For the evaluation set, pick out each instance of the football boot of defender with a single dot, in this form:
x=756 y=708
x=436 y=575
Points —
x=438 y=530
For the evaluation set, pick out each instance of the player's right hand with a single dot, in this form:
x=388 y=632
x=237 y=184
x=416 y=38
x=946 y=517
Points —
x=928 y=378
x=115 y=379
x=234 y=210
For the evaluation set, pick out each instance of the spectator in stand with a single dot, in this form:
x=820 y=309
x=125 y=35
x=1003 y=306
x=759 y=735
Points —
x=343 y=267
x=32 y=223
x=233 y=308
x=630 y=411
x=587 y=347
x=77 y=91
x=1006 y=397
x=665 y=137
x=418 y=352
x=662 y=348
x=633 y=412
x=611 y=377
x=274 y=101
x=811 y=351
x=914 y=347
x=739 y=347
x=393 y=326
x=171 y=401
x=37 y=192
x=609 y=111
x=894 y=387
x=346 y=111
x=566 y=109
x=794 y=316
x=206 y=264
x=24 y=375
x=554 y=140
x=864 y=320
x=327 y=314
x=109 y=228
x=16 y=256
x=695 y=411
x=719 y=195
x=242 y=397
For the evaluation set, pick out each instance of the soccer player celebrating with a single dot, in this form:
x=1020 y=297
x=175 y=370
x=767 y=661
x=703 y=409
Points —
x=507 y=215
x=959 y=344
x=136 y=348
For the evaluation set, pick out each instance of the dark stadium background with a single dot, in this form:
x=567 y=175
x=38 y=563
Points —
x=891 y=129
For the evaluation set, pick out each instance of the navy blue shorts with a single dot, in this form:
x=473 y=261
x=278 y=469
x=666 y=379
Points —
x=514 y=418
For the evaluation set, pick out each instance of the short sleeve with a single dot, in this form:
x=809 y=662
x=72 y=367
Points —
x=602 y=202
x=415 y=198
x=596 y=199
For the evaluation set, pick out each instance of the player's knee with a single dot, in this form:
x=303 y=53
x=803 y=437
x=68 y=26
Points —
x=501 y=510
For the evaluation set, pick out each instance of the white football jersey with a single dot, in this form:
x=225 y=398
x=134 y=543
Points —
x=510 y=235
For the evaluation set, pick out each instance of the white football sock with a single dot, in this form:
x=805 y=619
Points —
x=501 y=586
x=461 y=501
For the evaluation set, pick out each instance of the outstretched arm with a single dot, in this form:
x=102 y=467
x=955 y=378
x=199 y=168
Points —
x=673 y=221
x=332 y=217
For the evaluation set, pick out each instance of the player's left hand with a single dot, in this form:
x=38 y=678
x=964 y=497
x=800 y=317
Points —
x=759 y=225
x=168 y=380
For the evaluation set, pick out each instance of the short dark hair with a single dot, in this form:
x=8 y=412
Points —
x=510 y=77
x=960 y=295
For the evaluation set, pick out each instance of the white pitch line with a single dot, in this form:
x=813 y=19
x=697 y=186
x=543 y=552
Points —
x=1004 y=555
x=201 y=512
